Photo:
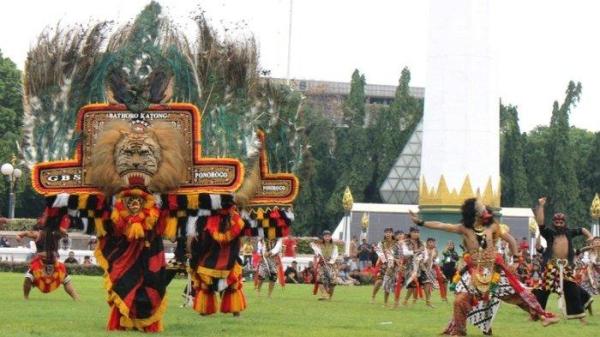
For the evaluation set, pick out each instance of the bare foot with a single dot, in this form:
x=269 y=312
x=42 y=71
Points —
x=372 y=300
x=429 y=304
x=550 y=320
x=583 y=321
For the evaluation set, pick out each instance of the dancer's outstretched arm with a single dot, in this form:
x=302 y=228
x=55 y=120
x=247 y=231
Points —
x=436 y=224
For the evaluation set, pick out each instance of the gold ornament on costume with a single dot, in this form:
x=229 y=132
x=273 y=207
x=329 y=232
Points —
x=347 y=200
x=533 y=226
x=364 y=222
x=595 y=208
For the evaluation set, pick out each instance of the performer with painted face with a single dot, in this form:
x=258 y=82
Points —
x=45 y=271
x=485 y=279
x=386 y=263
x=558 y=258
x=269 y=267
x=326 y=254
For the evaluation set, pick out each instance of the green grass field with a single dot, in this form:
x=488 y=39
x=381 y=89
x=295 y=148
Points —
x=291 y=312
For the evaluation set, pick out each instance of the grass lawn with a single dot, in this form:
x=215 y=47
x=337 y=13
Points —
x=291 y=312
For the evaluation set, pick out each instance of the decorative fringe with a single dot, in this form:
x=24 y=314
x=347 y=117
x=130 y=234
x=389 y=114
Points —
x=233 y=300
x=205 y=302
x=99 y=224
x=171 y=228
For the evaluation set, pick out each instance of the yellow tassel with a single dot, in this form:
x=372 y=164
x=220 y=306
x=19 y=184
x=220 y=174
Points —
x=115 y=216
x=272 y=233
x=260 y=214
x=100 y=231
x=83 y=198
x=192 y=201
x=265 y=223
x=135 y=231
x=171 y=229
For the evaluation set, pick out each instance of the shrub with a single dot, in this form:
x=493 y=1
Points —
x=19 y=224
x=72 y=269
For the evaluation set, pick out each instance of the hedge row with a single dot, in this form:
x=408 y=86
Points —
x=73 y=269
x=17 y=224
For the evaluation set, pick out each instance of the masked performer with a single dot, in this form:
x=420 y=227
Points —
x=485 y=279
x=326 y=254
x=386 y=263
x=558 y=261
x=269 y=267
x=45 y=271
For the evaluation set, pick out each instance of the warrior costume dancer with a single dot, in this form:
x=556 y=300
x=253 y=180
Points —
x=591 y=277
x=418 y=274
x=434 y=270
x=326 y=254
x=269 y=267
x=558 y=260
x=45 y=271
x=485 y=279
x=386 y=276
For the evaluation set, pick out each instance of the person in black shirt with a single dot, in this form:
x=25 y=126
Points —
x=449 y=259
x=558 y=259
x=364 y=254
x=71 y=259
x=291 y=273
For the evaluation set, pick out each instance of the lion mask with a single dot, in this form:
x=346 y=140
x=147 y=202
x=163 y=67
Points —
x=128 y=156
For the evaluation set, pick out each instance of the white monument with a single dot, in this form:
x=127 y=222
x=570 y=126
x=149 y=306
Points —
x=460 y=153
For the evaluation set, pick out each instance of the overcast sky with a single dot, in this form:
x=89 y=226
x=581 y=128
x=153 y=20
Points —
x=539 y=45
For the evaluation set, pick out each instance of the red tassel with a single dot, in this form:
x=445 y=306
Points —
x=65 y=222
x=172 y=202
x=280 y=274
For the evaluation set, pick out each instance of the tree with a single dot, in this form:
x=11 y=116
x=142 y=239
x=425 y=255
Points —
x=562 y=181
x=512 y=169
x=389 y=132
x=28 y=202
x=317 y=178
x=353 y=162
x=591 y=171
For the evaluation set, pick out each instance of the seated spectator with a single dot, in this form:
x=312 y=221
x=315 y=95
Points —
x=87 y=261
x=71 y=259
x=65 y=243
x=291 y=273
x=4 y=242
x=92 y=242
x=308 y=273
x=353 y=264
x=370 y=269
